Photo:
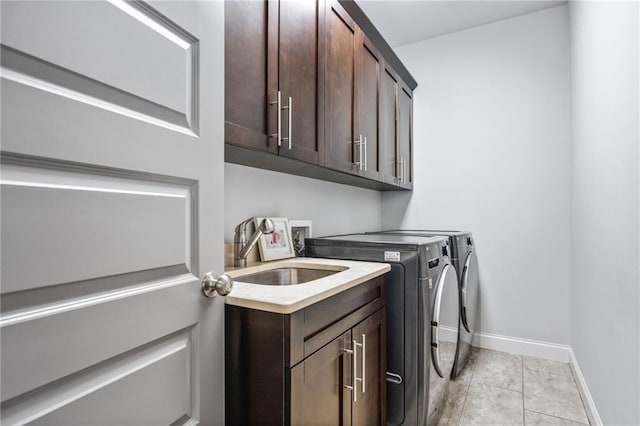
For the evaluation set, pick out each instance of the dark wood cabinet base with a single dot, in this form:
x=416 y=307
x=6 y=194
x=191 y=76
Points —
x=297 y=368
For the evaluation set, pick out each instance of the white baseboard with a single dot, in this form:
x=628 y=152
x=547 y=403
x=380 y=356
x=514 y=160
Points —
x=587 y=399
x=516 y=345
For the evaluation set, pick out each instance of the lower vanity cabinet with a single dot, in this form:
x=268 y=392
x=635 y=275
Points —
x=324 y=364
x=325 y=389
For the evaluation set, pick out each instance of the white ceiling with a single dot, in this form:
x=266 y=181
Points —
x=403 y=22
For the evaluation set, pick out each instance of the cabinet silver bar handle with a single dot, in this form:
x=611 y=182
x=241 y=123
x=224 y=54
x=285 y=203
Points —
x=290 y=122
x=404 y=170
x=364 y=358
x=354 y=366
x=358 y=143
x=360 y=152
x=278 y=103
x=355 y=363
x=365 y=153
x=353 y=381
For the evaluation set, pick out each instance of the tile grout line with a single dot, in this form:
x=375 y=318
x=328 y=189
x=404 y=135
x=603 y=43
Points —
x=575 y=383
x=499 y=387
x=466 y=394
x=560 y=375
x=558 y=417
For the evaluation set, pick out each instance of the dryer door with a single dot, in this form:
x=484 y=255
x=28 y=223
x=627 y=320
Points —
x=444 y=321
x=469 y=292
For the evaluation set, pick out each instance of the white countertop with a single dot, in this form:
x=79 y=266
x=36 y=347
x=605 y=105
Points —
x=290 y=298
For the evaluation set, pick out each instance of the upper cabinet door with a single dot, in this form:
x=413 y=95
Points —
x=248 y=28
x=405 y=136
x=299 y=62
x=304 y=81
x=389 y=164
x=340 y=53
x=367 y=105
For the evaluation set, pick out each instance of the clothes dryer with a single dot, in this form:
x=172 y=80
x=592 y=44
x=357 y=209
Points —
x=422 y=302
x=464 y=259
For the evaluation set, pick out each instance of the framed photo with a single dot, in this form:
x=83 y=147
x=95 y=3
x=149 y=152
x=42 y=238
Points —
x=300 y=229
x=278 y=244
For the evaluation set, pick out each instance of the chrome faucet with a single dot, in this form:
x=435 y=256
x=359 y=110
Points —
x=242 y=247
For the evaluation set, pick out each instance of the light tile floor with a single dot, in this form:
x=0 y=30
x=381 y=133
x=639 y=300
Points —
x=498 y=388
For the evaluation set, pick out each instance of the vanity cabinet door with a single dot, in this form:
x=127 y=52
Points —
x=323 y=385
x=370 y=407
x=318 y=392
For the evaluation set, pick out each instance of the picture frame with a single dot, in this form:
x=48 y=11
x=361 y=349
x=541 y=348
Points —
x=278 y=244
x=300 y=229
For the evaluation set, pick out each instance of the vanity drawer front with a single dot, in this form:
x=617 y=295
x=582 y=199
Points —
x=320 y=315
x=320 y=323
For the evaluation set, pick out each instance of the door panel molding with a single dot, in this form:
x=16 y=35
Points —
x=24 y=69
x=145 y=42
x=82 y=385
x=25 y=310
x=104 y=226
x=48 y=347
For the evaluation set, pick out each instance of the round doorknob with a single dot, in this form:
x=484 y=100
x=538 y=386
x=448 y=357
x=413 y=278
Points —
x=221 y=285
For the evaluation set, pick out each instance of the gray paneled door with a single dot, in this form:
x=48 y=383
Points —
x=112 y=185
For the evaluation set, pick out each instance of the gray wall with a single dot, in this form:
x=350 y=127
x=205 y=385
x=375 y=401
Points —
x=605 y=297
x=332 y=207
x=492 y=155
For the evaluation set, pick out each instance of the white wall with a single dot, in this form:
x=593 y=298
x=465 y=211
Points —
x=605 y=294
x=333 y=208
x=492 y=155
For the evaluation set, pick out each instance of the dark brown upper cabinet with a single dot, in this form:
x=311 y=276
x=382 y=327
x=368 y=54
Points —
x=396 y=130
x=367 y=106
x=247 y=74
x=389 y=126
x=299 y=81
x=272 y=57
x=405 y=136
x=352 y=96
x=313 y=89
x=342 y=148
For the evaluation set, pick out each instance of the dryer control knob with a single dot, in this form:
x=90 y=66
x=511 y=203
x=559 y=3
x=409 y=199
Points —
x=445 y=251
x=469 y=241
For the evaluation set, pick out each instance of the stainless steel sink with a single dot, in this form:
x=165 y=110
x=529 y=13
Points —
x=286 y=276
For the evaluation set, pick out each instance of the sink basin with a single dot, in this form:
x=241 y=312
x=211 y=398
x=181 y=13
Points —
x=286 y=276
